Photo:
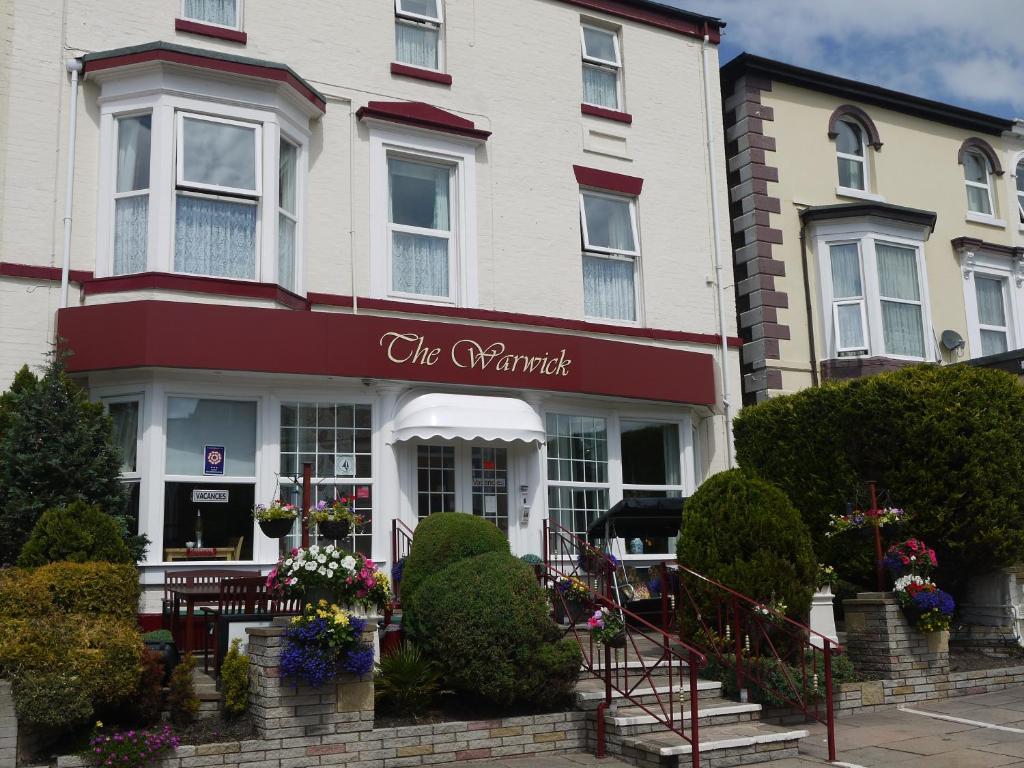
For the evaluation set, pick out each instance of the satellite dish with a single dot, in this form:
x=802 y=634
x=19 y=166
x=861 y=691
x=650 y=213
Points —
x=952 y=340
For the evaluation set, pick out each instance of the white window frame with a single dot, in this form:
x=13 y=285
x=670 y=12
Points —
x=138 y=399
x=846 y=301
x=425 y=146
x=866 y=233
x=169 y=96
x=987 y=186
x=614 y=253
x=217 y=190
x=611 y=66
x=996 y=267
x=1017 y=185
x=296 y=217
x=239 y=6
x=415 y=19
x=862 y=159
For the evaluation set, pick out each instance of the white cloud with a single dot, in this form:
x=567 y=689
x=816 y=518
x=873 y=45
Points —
x=969 y=53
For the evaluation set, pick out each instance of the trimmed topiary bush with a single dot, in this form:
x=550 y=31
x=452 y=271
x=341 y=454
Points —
x=102 y=589
x=947 y=443
x=77 y=533
x=485 y=621
x=443 y=539
x=745 y=533
x=234 y=680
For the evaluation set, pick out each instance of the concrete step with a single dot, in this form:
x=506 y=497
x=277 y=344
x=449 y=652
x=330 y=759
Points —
x=590 y=691
x=635 y=720
x=720 y=746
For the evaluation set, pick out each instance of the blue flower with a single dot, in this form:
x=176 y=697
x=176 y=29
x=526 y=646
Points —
x=359 y=661
x=935 y=601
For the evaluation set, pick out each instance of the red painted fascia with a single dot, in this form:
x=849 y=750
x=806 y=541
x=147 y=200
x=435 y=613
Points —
x=517 y=318
x=421 y=115
x=209 y=30
x=404 y=70
x=652 y=17
x=218 y=286
x=612 y=182
x=34 y=272
x=607 y=114
x=208 y=62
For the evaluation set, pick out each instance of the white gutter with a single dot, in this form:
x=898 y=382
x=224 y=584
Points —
x=712 y=144
x=74 y=66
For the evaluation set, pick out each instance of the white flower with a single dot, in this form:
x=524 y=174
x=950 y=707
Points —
x=349 y=563
x=322 y=559
x=332 y=565
x=322 y=571
x=310 y=566
x=314 y=550
x=288 y=563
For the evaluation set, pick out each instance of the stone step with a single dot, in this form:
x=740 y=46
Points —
x=720 y=746
x=634 y=720
x=590 y=691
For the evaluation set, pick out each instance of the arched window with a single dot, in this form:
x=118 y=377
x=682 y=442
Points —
x=850 y=155
x=1020 y=188
x=977 y=177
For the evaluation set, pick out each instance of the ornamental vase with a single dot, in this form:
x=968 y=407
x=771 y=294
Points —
x=938 y=642
x=335 y=529
x=277 y=529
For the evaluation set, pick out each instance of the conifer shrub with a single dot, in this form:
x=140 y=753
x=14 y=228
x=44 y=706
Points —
x=98 y=589
x=181 y=693
x=485 y=622
x=75 y=533
x=445 y=538
x=745 y=533
x=234 y=681
x=945 y=443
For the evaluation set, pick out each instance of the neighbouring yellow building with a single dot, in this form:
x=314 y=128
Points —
x=871 y=229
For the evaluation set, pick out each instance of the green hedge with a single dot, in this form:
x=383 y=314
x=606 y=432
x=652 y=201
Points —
x=485 y=621
x=947 y=443
x=77 y=533
x=102 y=589
x=443 y=539
x=745 y=533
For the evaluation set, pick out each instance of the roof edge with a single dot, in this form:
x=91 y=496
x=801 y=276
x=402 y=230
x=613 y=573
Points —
x=890 y=211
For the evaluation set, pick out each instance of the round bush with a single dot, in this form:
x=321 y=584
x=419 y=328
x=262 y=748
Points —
x=745 y=533
x=106 y=589
x=445 y=538
x=946 y=443
x=78 y=533
x=485 y=621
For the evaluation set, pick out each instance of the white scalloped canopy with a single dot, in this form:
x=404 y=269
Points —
x=467 y=417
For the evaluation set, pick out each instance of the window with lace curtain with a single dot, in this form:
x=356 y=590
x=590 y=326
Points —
x=610 y=252
x=1019 y=174
x=419 y=227
x=419 y=26
x=219 y=13
x=977 y=179
x=602 y=67
x=124 y=414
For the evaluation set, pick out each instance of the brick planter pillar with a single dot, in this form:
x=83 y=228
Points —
x=284 y=711
x=882 y=643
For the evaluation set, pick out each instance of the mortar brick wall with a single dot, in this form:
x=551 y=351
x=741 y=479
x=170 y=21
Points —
x=881 y=642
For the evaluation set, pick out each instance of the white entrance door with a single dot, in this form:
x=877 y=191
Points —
x=474 y=478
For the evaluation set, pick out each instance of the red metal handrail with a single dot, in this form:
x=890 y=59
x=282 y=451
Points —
x=676 y=658
x=401 y=540
x=739 y=633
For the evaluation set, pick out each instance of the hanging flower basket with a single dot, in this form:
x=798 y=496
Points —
x=335 y=529
x=277 y=529
x=617 y=641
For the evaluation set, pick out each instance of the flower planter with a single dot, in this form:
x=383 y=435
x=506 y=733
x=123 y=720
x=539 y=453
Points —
x=592 y=563
x=569 y=610
x=335 y=529
x=938 y=642
x=618 y=641
x=277 y=529
x=315 y=594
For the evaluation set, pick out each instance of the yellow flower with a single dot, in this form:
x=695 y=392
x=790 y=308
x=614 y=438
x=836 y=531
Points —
x=322 y=603
x=99 y=723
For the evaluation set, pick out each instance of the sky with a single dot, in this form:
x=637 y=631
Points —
x=964 y=52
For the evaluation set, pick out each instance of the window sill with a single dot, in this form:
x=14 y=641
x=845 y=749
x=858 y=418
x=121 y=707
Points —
x=613 y=322
x=209 y=30
x=859 y=194
x=607 y=114
x=216 y=286
x=988 y=221
x=429 y=75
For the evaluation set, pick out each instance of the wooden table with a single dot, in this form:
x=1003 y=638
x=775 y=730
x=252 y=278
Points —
x=172 y=554
x=190 y=594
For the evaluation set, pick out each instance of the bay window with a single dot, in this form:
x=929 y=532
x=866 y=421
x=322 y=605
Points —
x=418 y=27
x=993 y=327
x=211 y=445
x=602 y=67
x=977 y=179
x=124 y=412
x=992 y=297
x=874 y=298
x=220 y=13
x=610 y=251
x=131 y=194
x=1019 y=174
x=287 y=213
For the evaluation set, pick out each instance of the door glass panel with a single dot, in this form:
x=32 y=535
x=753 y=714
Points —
x=435 y=479
x=490 y=485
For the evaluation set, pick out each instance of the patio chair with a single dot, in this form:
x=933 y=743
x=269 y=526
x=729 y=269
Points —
x=239 y=597
x=178 y=578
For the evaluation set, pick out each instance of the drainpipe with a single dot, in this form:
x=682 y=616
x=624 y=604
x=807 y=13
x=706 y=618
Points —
x=712 y=145
x=807 y=302
x=74 y=66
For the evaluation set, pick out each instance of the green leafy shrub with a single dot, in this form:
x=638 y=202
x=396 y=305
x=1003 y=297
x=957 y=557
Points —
x=782 y=681
x=56 y=447
x=94 y=659
x=181 y=693
x=744 y=532
x=485 y=621
x=234 y=680
x=947 y=443
x=77 y=533
x=550 y=679
x=103 y=589
x=158 y=636
x=407 y=682
x=445 y=538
